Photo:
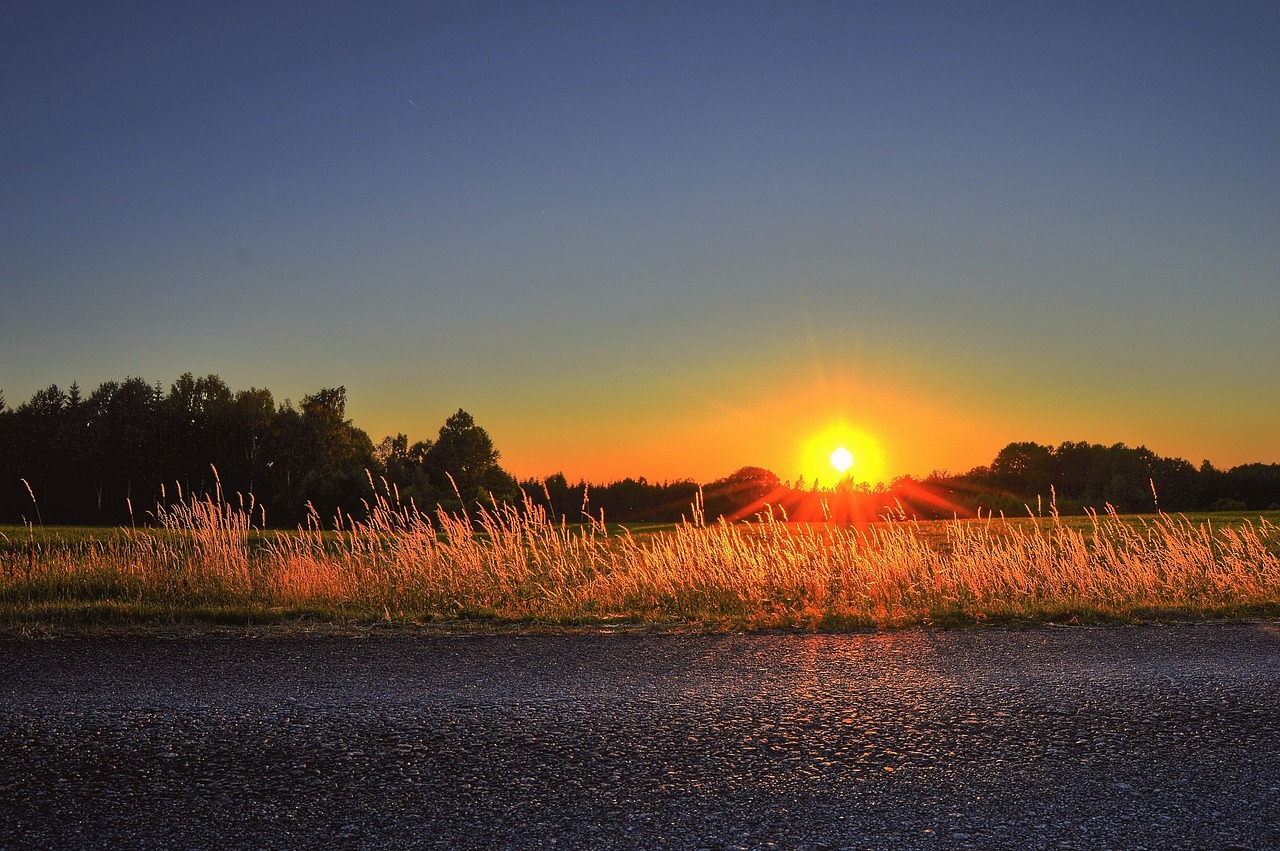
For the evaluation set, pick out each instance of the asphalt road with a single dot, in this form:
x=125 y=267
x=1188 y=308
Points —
x=1151 y=737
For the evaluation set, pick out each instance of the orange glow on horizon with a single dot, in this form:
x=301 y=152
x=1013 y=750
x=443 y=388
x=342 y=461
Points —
x=705 y=429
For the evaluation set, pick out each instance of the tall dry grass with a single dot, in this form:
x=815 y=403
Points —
x=204 y=559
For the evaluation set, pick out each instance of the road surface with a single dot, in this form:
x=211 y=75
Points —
x=1137 y=737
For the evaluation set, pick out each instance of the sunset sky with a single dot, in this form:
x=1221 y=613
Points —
x=662 y=239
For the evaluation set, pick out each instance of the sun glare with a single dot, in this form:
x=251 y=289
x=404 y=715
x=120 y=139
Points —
x=841 y=452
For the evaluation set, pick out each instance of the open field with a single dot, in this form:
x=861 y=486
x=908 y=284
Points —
x=204 y=564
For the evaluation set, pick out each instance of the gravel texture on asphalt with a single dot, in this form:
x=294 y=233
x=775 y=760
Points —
x=1141 y=737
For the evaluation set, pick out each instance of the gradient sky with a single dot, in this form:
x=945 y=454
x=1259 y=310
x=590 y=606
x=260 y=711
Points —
x=661 y=240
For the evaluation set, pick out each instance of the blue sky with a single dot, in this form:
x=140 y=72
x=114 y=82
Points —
x=661 y=239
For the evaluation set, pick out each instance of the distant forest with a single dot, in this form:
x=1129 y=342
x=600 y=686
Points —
x=113 y=456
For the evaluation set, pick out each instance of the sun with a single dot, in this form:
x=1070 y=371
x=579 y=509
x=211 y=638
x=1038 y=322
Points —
x=841 y=452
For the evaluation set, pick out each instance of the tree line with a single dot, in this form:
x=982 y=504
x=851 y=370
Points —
x=112 y=456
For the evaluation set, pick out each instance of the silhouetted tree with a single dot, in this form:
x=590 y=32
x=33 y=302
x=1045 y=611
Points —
x=1025 y=468
x=252 y=413
x=463 y=457
x=124 y=457
x=36 y=425
x=197 y=425
x=404 y=465
x=743 y=492
x=1256 y=485
x=336 y=455
x=562 y=500
x=1213 y=484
